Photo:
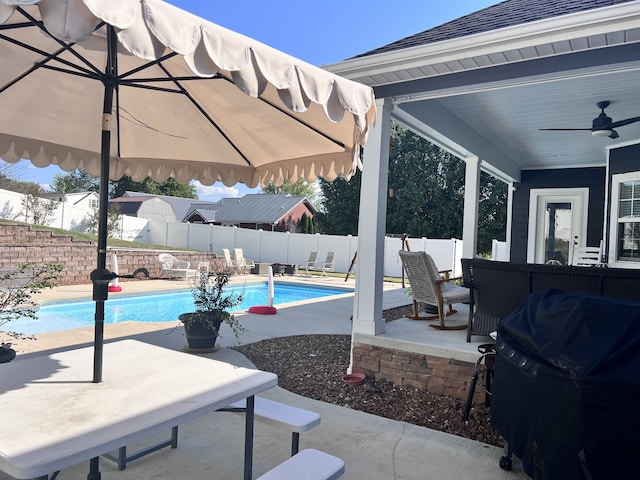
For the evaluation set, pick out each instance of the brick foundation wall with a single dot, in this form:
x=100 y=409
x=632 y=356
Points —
x=441 y=376
x=22 y=244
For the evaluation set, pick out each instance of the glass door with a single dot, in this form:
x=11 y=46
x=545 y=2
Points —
x=557 y=224
x=556 y=234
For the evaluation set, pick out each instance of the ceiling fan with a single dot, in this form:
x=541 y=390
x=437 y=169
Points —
x=602 y=125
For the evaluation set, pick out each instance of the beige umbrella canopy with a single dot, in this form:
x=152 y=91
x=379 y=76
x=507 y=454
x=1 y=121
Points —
x=192 y=100
x=140 y=87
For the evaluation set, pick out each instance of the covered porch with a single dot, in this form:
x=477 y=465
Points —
x=487 y=87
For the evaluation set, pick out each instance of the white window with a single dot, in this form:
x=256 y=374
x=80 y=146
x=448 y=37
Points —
x=94 y=203
x=625 y=219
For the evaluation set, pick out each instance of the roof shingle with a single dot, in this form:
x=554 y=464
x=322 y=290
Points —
x=504 y=14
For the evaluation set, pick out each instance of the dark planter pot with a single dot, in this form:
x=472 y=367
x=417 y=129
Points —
x=431 y=309
x=199 y=336
x=7 y=354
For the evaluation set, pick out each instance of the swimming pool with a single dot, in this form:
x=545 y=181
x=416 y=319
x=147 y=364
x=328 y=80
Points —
x=158 y=307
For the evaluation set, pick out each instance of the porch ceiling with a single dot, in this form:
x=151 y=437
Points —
x=489 y=94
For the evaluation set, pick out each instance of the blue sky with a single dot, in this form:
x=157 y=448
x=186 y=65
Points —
x=319 y=33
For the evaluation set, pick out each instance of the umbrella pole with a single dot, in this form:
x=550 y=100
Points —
x=100 y=289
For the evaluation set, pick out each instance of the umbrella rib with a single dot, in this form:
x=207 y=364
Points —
x=42 y=63
x=12 y=26
x=294 y=118
x=148 y=64
x=134 y=84
x=204 y=113
x=65 y=46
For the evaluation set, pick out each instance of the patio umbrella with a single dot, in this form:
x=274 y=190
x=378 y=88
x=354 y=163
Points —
x=142 y=88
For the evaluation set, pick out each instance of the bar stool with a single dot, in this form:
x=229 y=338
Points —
x=488 y=358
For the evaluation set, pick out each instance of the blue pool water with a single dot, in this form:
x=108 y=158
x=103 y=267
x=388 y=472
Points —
x=157 y=307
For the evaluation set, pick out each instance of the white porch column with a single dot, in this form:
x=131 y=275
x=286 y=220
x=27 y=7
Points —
x=511 y=187
x=367 y=308
x=470 y=217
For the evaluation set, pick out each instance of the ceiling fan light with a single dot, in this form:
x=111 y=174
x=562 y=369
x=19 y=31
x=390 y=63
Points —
x=601 y=133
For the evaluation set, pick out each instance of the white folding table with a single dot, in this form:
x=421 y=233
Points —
x=59 y=418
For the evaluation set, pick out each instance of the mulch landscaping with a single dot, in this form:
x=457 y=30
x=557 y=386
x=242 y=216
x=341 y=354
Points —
x=322 y=360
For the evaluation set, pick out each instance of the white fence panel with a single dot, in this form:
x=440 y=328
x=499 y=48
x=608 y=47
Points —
x=11 y=206
x=199 y=236
x=275 y=248
x=294 y=248
x=223 y=237
x=130 y=228
x=446 y=254
x=178 y=234
x=301 y=245
x=499 y=251
x=392 y=263
x=339 y=244
x=249 y=241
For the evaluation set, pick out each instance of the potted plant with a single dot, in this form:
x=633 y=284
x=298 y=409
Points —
x=212 y=306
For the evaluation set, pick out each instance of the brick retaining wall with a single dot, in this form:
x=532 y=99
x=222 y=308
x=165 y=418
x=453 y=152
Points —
x=441 y=376
x=23 y=244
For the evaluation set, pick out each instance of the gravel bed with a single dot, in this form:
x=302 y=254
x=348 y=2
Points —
x=313 y=366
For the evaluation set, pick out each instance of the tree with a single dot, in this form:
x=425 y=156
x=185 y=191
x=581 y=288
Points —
x=75 y=182
x=10 y=174
x=307 y=224
x=39 y=210
x=169 y=187
x=298 y=189
x=113 y=221
x=428 y=188
x=80 y=181
x=20 y=284
x=341 y=200
x=426 y=195
x=492 y=212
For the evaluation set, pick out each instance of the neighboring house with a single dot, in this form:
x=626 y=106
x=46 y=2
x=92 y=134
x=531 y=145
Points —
x=149 y=207
x=274 y=212
x=179 y=205
x=86 y=200
x=155 y=207
x=485 y=87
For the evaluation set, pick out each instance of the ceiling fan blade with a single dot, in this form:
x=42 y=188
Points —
x=564 y=129
x=621 y=123
x=614 y=134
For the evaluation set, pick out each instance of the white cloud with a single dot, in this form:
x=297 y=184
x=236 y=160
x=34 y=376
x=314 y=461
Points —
x=216 y=191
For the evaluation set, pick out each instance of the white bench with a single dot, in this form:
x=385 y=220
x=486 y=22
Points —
x=296 y=420
x=309 y=464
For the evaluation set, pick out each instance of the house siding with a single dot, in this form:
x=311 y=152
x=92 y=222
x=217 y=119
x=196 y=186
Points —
x=621 y=160
x=593 y=178
x=291 y=221
x=624 y=160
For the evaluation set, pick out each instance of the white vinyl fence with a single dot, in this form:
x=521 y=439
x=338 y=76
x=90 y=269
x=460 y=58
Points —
x=294 y=248
x=499 y=251
x=257 y=245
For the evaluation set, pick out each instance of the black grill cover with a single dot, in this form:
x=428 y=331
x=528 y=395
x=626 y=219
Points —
x=567 y=386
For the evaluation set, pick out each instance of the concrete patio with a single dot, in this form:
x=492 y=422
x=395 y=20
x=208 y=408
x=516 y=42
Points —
x=372 y=447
